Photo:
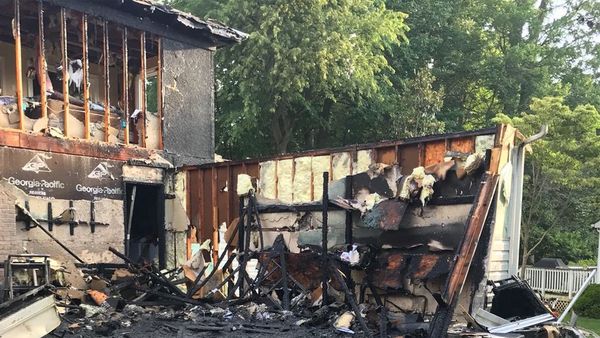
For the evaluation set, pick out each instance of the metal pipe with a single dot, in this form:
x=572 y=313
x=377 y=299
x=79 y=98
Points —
x=65 y=70
x=106 y=52
x=125 y=93
x=18 y=63
x=516 y=201
x=143 y=87
x=42 y=66
x=587 y=282
x=86 y=80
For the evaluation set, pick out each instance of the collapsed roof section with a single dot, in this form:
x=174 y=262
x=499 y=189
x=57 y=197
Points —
x=159 y=14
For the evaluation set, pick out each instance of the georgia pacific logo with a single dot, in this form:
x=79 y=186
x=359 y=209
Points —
x=38 y=164
x=101 y=171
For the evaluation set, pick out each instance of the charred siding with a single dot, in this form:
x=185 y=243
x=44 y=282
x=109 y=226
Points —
x=188 y=120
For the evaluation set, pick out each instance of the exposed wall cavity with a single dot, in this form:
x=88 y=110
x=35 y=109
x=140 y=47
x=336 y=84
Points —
x=188 y=102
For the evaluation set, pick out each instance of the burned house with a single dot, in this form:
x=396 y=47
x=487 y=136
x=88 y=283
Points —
x=100 y=102
x=417 y=226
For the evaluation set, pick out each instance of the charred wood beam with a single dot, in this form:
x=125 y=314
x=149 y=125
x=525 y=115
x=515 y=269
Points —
x=325 y=229
x=143 y=90
x=307 y=207
x=18 y=62
x=159 y=95
x=348 y=235
x=65 y=70
x=106 y=58
x=42 y=65
x=125 y=85
x=86 y=80
x=137 y=22
x=464 y=256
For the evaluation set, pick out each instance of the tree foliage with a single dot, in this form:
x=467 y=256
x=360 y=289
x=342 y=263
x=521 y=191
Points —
x=305 y=63
x=562 y=181
x=318 y=73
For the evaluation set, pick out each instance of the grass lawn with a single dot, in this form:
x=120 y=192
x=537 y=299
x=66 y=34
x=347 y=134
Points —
x=589 y=324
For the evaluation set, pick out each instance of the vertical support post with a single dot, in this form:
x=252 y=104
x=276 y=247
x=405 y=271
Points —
x=18 y=62
x=325 y=229
x=65 y=69
x=570 y=285
x=597 y=281
x=86 y=80
x=93 y=216
x=348 y=231
x=42 y=65
x=215 y=214
x=50 y=217
x=125 y=93
x=159 y=95
x=72 y=223
x=241 y=227
x=143 y=88
x=106 y=52
x=544 y=276
x=284 y=279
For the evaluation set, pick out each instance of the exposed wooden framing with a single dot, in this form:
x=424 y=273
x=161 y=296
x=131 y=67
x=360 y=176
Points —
x=330 y=167
x=125 y=93
x=86 y=80
x=312 y=180
x=215 y=215
x=65 y=69
x=276 y=179
x=18 y=63
x=365 y=146
x=188 y=210
x=293 y=176
x=201 y=202
x=230 y=201
x=42 y=66
x=396 y=157
x=106 y=63
x=143 y=87
x=159 y=86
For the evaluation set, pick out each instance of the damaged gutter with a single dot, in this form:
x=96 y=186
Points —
x=516 y=203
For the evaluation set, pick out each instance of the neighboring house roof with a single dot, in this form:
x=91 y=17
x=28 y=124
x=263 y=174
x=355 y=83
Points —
x=217 y=33
x=550 y=263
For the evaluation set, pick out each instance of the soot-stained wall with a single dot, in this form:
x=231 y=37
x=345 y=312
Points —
x=188 y=82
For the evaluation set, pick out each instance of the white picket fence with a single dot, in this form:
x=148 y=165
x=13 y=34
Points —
x=557 y=281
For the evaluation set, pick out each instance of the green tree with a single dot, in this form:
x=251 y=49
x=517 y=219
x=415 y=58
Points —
x=495 y=56
x=304 y=61
x=562 y=178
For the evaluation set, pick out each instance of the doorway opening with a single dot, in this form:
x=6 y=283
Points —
x=145 y=223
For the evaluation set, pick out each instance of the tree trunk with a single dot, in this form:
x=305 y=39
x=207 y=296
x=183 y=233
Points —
x=524 y=250
x=281 y=130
